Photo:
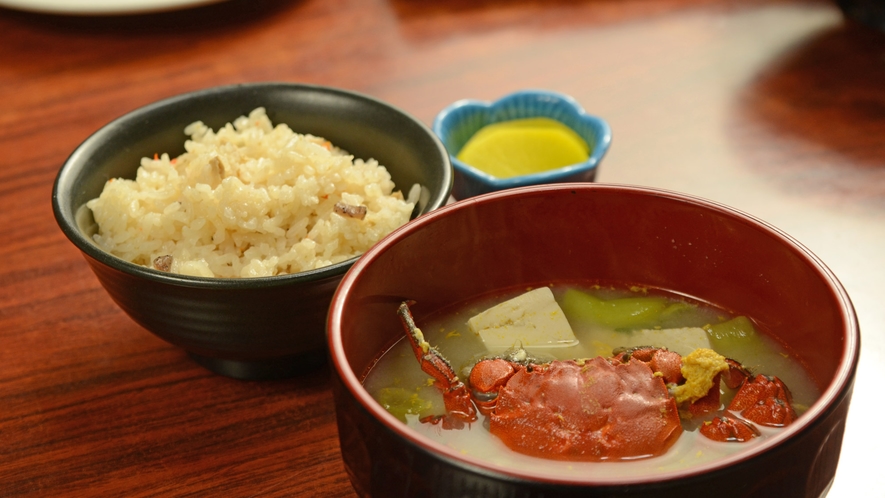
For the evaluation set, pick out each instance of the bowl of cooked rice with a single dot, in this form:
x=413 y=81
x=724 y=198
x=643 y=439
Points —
x=223 y=220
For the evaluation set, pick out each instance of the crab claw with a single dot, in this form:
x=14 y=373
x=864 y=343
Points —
x=764 y=400
x=736 y=374
x=728 y=429
x=487 y=378
x=459 y=407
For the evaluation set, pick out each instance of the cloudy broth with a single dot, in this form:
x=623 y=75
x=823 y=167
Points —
x=399 y=384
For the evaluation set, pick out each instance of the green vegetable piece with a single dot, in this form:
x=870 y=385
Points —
x=736 y=338
x=677 y=309
x=682 y=314
x=622 y=313
x=401 y=402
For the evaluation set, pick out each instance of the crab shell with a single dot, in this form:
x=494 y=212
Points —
x=588 y=410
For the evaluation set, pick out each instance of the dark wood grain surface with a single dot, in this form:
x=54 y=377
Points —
x=774 y=107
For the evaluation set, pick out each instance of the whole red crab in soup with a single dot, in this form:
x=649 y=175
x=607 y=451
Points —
x=572 y=410
x=624 y=407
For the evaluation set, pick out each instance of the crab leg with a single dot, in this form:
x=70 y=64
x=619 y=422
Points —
x=726 y=429
x=764 y=400
x=459 y=407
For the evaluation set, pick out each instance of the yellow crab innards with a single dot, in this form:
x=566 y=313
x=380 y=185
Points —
x=249 y=200
x=699 y=368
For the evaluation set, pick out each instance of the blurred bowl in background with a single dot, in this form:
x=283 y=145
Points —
x=248 y=328
x=868 y=12
x=460 y=121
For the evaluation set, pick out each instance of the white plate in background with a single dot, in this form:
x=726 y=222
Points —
x=101 y=7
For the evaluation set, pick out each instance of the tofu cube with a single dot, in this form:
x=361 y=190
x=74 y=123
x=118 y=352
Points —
x=530 y=320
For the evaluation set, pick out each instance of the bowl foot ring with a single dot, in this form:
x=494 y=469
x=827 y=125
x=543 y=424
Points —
x=267 y=369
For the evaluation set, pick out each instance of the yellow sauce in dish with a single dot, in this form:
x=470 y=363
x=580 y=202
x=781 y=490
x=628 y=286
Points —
x=524 y=146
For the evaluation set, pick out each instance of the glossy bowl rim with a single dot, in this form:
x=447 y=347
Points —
x=829 y=398
x=91 y=250
x=601 y=146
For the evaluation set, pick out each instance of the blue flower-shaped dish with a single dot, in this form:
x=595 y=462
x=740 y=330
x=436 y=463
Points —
x=455 y=124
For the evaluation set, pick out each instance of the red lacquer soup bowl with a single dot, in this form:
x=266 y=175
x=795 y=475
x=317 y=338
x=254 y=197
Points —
x=638 y=236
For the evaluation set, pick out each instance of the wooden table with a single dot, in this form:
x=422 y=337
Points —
x=774 y=107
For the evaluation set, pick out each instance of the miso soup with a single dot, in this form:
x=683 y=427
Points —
x=604 y=319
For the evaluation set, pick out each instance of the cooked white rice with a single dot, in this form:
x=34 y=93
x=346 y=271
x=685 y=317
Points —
x=249 y=200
